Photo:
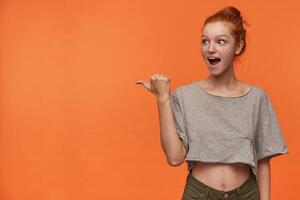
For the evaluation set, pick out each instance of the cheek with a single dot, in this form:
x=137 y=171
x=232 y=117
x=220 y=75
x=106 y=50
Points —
x=228 y=55
x=203 y=52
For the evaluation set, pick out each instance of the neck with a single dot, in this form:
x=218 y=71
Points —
x=225 y=80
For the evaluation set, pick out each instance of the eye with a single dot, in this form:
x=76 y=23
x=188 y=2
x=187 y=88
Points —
x=221 y=42
x=204 y=41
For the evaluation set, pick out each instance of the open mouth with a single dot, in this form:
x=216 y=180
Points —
x=214 y=61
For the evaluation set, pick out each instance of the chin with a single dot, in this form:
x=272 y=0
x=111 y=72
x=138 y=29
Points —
x=216 y=72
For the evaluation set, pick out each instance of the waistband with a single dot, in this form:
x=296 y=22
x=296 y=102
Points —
x=245 y=186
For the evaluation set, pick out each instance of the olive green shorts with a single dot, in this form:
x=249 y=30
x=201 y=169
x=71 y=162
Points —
x=195 y=189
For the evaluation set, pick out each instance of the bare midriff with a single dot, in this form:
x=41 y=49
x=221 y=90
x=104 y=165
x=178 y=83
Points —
x=221 y=176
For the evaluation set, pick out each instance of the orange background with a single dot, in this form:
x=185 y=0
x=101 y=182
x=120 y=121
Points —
x=74 y=125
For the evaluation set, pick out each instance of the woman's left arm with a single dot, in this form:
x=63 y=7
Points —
x=264 y=179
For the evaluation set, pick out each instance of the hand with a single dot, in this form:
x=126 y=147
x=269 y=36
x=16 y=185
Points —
x=159 y=85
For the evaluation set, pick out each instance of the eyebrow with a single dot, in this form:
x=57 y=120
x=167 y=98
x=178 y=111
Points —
x=217 y=35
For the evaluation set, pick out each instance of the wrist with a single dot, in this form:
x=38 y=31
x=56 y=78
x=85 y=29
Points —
x=163 y=99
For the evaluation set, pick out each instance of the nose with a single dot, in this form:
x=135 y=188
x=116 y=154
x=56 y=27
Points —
x=211 y=48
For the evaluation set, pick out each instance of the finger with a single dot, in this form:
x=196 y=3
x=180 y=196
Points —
x=148 y=86
x=145 y=84
x=139 y=82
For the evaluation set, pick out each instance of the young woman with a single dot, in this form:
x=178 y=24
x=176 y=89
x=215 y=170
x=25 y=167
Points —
x=225 y=129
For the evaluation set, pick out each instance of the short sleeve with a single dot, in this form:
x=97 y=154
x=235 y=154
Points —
x=269 y=141
x=179 y=117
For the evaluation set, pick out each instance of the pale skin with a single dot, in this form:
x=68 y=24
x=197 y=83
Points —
x=221 y=82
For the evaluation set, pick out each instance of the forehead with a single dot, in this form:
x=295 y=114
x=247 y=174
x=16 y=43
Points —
x=214 y=29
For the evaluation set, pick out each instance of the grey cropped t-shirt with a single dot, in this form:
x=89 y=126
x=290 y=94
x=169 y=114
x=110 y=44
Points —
x=221 y=129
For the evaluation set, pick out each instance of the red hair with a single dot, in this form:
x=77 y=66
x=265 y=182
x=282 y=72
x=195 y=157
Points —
x=232 y=16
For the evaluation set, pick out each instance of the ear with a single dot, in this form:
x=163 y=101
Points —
x=239 y=47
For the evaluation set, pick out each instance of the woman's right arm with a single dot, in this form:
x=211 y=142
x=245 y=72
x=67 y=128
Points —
x=172 y=145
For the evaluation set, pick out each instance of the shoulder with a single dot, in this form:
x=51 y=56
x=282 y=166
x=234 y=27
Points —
x=181 y=89
x=264 y=100
x=259 y=91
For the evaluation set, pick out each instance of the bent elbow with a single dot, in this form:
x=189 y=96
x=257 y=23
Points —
x=179 y=158
x=174 y=162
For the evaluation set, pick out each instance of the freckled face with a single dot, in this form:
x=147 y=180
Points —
x=217 y=46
